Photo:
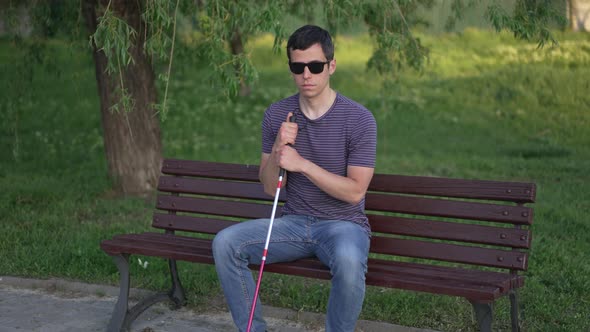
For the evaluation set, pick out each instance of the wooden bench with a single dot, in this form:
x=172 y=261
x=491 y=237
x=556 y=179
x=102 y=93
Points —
x=465 y=238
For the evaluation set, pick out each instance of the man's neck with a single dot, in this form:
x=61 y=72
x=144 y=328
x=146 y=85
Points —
x=314 y=108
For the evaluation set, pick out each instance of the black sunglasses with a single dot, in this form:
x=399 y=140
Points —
x=315 y=67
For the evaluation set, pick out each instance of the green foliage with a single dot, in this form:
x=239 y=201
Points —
x=530 y=21
x=222 y=24
x=159 y=15
x=226 y=22
x=391 y=24
x=113 y=36
x=47 y=18
x=116 y=38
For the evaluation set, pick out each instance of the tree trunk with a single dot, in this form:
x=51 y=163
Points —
x=131 y=139
x=237 y=48
x=579 y=14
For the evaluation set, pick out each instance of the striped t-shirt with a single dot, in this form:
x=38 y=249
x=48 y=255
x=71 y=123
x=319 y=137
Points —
x=346 y=135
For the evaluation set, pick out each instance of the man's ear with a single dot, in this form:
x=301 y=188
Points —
x=332 y=66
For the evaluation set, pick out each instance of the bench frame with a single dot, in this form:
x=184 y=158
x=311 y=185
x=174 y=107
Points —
x=473 y=224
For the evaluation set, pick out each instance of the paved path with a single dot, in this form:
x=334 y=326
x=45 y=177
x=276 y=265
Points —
x=64 y=306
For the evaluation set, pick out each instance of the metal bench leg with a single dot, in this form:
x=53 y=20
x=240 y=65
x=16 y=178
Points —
x=176 y=294
x=123 y=316
x=117 y=322
x=484 y=315
x=514 y=311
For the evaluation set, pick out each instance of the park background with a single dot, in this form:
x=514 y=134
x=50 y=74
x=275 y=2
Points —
x=485 y=106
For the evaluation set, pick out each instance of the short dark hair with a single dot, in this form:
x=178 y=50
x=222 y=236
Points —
x=309 y=35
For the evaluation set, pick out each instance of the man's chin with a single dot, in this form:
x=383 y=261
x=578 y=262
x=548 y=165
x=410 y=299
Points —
x=307 y=92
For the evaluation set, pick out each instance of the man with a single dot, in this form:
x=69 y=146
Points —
x=329 y=156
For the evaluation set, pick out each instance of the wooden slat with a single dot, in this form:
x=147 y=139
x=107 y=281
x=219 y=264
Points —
x=449 y=208
x=450 y=252
x=201 y=186
x=215 y=207
x=310 y=267
x=455 y=253
x=436 y=286
x=255 y=191
x=508 y=237
x=210 y=169
x=434 y=186
x=430 y=276
x=424 y=284
x=183 y=243
x=472 y=284
x=452 y=231
x=390 y=203
x=189 y=223
x=504 y=281
x=314 y=268
x=464 y=283
x=177 y=241
x=150 y=248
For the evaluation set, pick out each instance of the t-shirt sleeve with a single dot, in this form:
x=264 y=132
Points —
x=363 y=143
x=268 y=135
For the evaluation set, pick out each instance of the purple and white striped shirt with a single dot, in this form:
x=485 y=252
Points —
x=346 y=135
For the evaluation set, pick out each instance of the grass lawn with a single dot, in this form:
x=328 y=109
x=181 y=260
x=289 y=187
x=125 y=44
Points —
x=486 y=107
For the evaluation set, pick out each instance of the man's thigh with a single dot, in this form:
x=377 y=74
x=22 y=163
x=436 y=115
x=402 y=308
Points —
x=289 y=239
x=341 y=241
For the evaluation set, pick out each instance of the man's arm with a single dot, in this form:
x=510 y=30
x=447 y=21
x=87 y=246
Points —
x=268 y=173
x=351 y=188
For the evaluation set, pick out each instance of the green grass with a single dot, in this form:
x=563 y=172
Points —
x=485 y=107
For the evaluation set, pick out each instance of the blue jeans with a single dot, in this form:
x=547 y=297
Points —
x=343 y=246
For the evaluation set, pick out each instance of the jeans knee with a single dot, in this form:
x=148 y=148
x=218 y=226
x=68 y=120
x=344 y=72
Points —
x=350 y=267
x=222 y=244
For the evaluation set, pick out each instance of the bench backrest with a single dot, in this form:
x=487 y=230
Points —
x=472 y=222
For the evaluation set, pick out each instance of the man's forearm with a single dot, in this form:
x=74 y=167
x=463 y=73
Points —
x=351 y=189
x=269 y=173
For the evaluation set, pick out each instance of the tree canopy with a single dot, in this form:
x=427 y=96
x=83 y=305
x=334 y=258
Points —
x=222 y=23
x=135 y=43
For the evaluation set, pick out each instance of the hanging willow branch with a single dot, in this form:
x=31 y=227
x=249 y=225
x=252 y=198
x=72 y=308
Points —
x=162 y=108
x=390 y=23
x=114 y=37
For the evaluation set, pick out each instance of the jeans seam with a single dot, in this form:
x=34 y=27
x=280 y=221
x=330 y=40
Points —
x=237 y=261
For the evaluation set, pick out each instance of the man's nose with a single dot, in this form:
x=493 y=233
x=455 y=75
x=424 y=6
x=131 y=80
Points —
x=306 y=72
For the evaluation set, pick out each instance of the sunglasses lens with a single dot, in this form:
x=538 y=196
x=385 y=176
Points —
x=297 y=67
x=314 y=67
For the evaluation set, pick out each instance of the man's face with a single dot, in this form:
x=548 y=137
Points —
x=312 y=85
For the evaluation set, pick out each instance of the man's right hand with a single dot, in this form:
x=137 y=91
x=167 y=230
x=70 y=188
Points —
x=287 y=133
x=270 y=163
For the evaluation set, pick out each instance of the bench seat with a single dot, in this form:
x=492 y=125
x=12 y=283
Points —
x=476 y=285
